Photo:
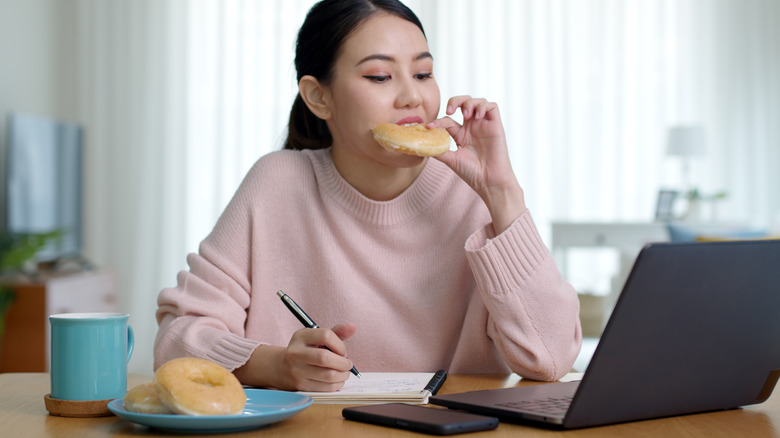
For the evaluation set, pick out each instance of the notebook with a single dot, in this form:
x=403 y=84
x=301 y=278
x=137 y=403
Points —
x=371 y=388
x=695 y=329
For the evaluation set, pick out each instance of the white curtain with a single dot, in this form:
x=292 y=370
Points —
x=180 y=97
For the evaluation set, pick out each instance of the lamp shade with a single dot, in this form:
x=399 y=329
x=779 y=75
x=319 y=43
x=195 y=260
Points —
x=685 y=141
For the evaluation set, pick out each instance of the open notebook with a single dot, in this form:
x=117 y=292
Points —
x=373 y=388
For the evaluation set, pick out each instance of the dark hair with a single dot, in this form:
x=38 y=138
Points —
x=327 y=26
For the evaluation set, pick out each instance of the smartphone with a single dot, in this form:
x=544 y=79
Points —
x=418 y=418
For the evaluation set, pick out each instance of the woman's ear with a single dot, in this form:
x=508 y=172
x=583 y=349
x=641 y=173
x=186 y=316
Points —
x=315 y=96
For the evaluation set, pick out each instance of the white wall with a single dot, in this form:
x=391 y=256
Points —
x=39 y=57
x=37 y=64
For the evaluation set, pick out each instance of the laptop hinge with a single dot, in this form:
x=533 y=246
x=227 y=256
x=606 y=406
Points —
x=769 y=385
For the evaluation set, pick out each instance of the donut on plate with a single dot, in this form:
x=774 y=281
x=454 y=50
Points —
x=193 y=386
x=144 y=399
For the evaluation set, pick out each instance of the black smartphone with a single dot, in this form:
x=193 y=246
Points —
x=434 y=421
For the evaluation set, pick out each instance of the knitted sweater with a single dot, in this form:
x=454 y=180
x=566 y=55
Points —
x=423 y=277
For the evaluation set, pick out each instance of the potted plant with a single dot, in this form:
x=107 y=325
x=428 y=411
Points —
x=16 y=250
x=696 y=200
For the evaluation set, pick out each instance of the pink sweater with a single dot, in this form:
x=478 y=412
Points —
x=422 y=276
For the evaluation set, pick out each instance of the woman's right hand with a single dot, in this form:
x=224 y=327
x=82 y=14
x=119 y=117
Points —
x=304 y=365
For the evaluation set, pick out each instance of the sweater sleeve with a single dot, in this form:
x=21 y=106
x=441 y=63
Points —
x=205 y=314
x=533 y=312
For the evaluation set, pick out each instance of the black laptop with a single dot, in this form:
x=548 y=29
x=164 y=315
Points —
x=695 y=329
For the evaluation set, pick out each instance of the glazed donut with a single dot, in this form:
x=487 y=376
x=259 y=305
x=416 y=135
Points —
x=414 y=139
x=144 y=399
x=193 y=386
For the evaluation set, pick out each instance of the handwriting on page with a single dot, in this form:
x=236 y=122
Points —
x=386 y=382
x=379 y=388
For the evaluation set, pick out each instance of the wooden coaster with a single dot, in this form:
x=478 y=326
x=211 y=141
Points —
x=76 y=408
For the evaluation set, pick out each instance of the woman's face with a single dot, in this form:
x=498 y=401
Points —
x=383 y=74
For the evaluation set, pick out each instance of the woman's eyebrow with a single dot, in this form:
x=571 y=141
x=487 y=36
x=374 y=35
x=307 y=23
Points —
x=381 y=57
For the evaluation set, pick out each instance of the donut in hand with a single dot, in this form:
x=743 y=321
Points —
x=412 y=139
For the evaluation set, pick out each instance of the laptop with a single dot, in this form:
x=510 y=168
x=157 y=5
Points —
x=695 y=329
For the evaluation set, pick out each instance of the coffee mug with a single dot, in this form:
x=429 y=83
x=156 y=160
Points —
x=89 y=355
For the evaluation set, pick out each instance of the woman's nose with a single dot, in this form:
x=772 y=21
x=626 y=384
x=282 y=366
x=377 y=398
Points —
x=408 y=94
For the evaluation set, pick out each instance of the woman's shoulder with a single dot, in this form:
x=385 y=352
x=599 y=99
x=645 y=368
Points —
x=274 y=178
x=281 y=161
x=280 y=168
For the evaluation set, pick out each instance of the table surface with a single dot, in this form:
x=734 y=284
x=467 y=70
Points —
x=22 y=413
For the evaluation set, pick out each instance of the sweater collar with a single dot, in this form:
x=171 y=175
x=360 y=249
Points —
x=426 y=187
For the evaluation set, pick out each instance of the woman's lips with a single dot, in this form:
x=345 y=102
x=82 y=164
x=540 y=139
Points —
x=410 y=120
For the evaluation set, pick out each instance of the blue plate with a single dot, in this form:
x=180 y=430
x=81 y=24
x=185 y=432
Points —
x=263 y=407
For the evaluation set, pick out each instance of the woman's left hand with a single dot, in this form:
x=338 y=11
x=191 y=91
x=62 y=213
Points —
x=482 y=158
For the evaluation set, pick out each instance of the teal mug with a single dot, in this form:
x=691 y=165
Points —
x=89 y=355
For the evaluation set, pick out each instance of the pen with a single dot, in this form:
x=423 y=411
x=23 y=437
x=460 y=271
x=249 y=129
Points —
x=304 y=318
x=436 y=382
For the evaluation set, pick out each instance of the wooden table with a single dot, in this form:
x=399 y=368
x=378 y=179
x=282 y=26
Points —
x=22 y=414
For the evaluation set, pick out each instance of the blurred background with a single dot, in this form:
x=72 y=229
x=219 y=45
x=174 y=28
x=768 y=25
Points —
x=618 y=112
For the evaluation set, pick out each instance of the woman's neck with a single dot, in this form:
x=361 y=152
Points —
x=372 y=179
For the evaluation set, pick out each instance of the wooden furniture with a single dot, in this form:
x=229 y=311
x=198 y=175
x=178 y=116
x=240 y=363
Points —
x=22 y=413
x=25 y=343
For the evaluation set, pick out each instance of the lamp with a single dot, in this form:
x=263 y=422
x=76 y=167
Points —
x=686 y=141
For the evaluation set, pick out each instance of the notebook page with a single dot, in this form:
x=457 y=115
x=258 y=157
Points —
x=379 y=388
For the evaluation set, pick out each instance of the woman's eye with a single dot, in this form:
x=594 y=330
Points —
x=377 y=78
x=423 y=76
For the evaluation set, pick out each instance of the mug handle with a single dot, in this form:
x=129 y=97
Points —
x=130 y=342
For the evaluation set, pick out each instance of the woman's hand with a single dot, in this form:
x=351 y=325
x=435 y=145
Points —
x=482 y=158
x=304 y=365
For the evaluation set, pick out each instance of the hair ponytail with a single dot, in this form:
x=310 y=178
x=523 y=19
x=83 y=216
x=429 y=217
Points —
x=305 y=130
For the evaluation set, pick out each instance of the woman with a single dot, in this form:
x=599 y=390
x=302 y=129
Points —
x=421 y=263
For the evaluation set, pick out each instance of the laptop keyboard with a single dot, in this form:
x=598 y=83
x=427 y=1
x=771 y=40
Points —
x=548 y=406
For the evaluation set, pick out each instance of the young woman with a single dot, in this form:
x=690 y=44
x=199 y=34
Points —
x=417 y=264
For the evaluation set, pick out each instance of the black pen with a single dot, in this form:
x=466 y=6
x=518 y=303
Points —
x=434 y=385
x=304 y=318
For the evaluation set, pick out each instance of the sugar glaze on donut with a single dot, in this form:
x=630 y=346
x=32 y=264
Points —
x=193 y=386
x=143 y=398
x=412 y=139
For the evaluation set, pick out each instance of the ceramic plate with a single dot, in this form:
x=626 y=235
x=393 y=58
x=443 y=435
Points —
x=263 y=407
